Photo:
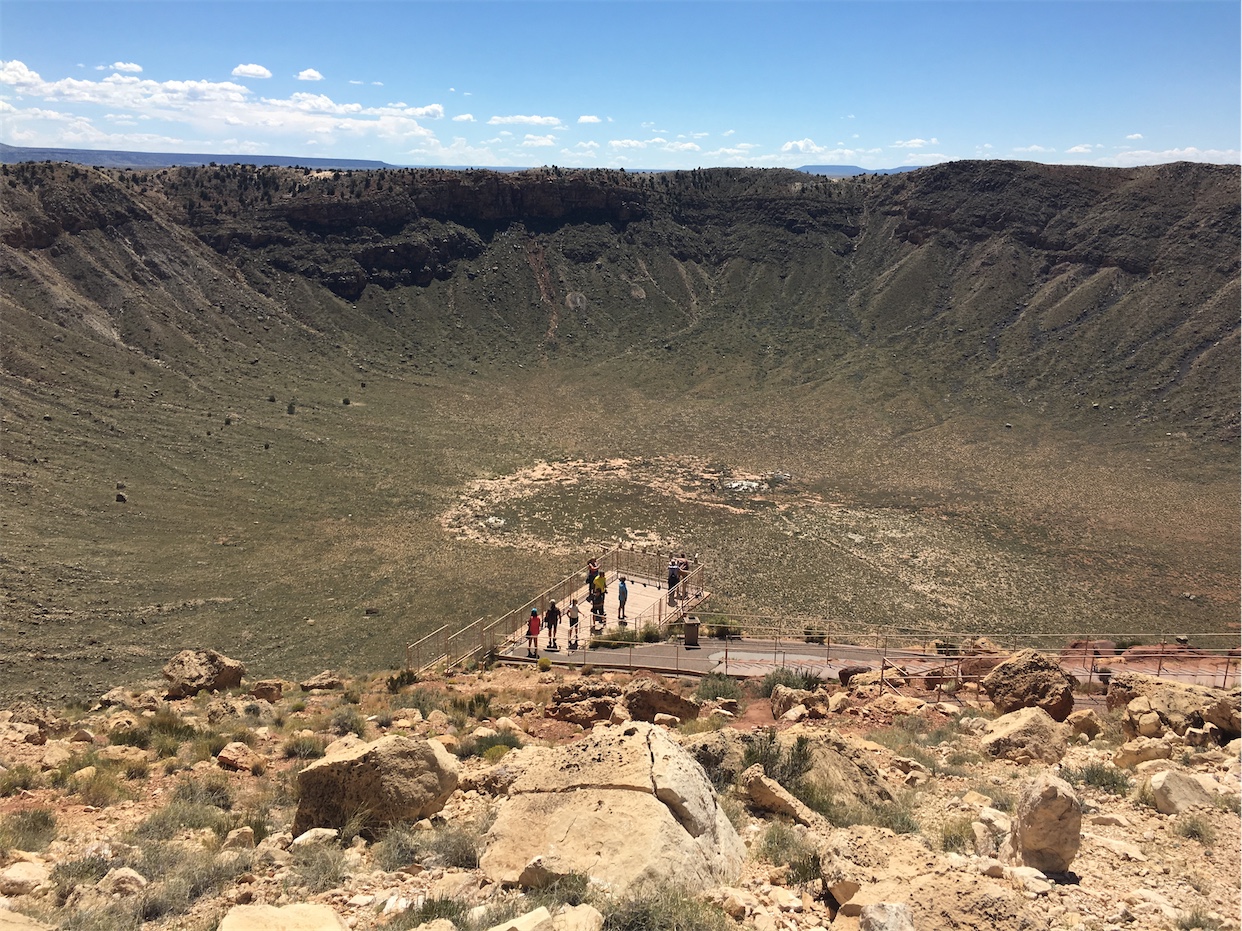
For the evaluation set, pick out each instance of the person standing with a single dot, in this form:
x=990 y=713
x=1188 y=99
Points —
x=551 y=620
x=532 y=634
x=623 y=594
x=573 y=614
x=674 y=575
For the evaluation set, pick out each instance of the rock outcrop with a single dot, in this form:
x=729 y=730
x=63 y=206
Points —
x=194 y=671
x=1026 y=736
x=389 y=780
x=623 y=805
x=1046 y=827
x=1030 y=680
x=1154 y=705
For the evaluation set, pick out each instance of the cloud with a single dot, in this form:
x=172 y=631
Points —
x=915 y=143
x=681 y=147
x=525 y=121
x=357 y=82
x=805 y=146
x=1041 y=149
x=127 y=66
x=310 y=74
x=589 y=119
x=538 y=141
x=251 y=71
x=1135 y=136
x=1085 y=149
x=586 y=145
x=464 y=118
x=728 y=132
x=1133 y=157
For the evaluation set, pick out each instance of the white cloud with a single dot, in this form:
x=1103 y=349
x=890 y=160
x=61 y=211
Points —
x=586 y=145
x=681 y=147
x=805 y=146
x=1040 y=149
x=538 y=141
x=589 y=119
x=1133 y=157
x=464 y=118
x=728 y=132
x=1085 y=149
x=525 y=121
x=643 y=143
x=127 y=66
x=1135 y=136
x=577 y=152
x=915 y=143
x=377 y=83
x=251 y=71
x=310 y=74
x=357 y=82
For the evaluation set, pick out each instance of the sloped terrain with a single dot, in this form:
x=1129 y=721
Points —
x=1013 y=381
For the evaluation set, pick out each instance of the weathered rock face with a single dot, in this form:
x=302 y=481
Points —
x=583 y=702
x=644 y=699
x=391 y=779
x=623 y=805
x=721 y=753
x=194 y=671
x=1025 y=736
x=1176 y=792
x=300 y=917
x=1030 y=680
x=1175 y=706
x=1047 y=826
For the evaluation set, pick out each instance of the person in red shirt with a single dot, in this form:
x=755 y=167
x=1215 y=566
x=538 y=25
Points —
x=532 y=634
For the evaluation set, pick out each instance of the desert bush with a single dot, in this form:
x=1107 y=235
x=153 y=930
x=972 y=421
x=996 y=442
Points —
x=31 y=830
x=702 y=725
x=167 y=822
x=18 y=778
x=665 y=909
x=1145 y=796
x=400 y=846
x=429 y=910
x=303 y=748
x=477 y=705
x=544 y=664
x=69 y=874
x=1198 y=918
x=650 y=634
x=716 y=685
x=479 y=746
x=319 y=867
x=956 y=835
x=1102 y=776
x=787 y=765
x=207 y=745
x=100 y=789
x=400 y=680
x=348 y=720
x=457 y=847
x=213 y=789
x=615 y=639
x=781 y=845
x=790 y=678
x=725 y=629
x=139 y=737
x=1195 y=827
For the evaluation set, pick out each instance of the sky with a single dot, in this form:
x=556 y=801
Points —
x=640 y=84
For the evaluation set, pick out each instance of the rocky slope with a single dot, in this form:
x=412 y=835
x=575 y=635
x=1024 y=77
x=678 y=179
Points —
x=910 y=810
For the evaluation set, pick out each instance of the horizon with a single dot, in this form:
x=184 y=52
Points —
x=683 y=84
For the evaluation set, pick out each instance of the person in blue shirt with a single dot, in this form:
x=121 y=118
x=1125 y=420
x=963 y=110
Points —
x=622 y=594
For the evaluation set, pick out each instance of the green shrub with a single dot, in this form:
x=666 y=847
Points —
x=716 y=685
x=212 y=789
x=303 y=748
x=479 y=746
x=781 y=845
x=702 y=725
x=399 y=847
x=787 y=765
x=319 y=867
x=348 y=720
x=725 y=629
x=177 y=816
x=956 y=835
x=1195 y=827
x=100 y=789
x=69 y=874
x=650 y=634
x=664 y=909
x=429 y=910
x=790 y=678
x=17 y=779
x=1102 y=776
x=544 y=664
x=400 y=680
x=31 y=830
x=615 y=639
x=139 y=737
x=1198 y=918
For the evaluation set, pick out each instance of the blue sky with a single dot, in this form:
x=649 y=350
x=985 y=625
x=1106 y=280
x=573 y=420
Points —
x=637 y=84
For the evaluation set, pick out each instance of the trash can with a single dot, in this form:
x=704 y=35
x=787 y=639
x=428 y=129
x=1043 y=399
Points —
x=690 y=628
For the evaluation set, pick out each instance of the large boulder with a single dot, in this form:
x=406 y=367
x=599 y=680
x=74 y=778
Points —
x=645 y=698
x=624 y=805
x=1026 y=736
x=1174 y=792
x=583 y=702
x=194 y=671
x=1030 y=680
x=1046 y=826
x=1177 y=705
x=389 y=780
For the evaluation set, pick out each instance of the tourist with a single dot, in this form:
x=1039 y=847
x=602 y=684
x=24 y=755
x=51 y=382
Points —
x=532 y=634
x=572 y=613
x=674 y=575
x=623 y=593
x=551 y=619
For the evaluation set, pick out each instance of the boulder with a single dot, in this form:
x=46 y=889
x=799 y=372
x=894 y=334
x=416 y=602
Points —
x=583 y=702
x=268 y=690
x=1141 y=750
x=122 y=882
x=22 y=878
x=1029 y=679
x=886 y=916
x=238 y=757
x=1084 y=721
x=769 y=795
x=721 y=753
x=1025 y=736
x=325 y=680
x=15 y=921
x=1178 y=705
x=194 y=671
x=391 y=779
x=783 y=698
x=641 y=809
x=301 y=917
x=1046 y=826
x=1176 y=792
x=645 y=698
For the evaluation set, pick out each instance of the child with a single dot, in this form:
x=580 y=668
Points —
x=532 y=634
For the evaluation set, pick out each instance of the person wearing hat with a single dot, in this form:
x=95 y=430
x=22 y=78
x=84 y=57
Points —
x=532 y=634
x=623 y=593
